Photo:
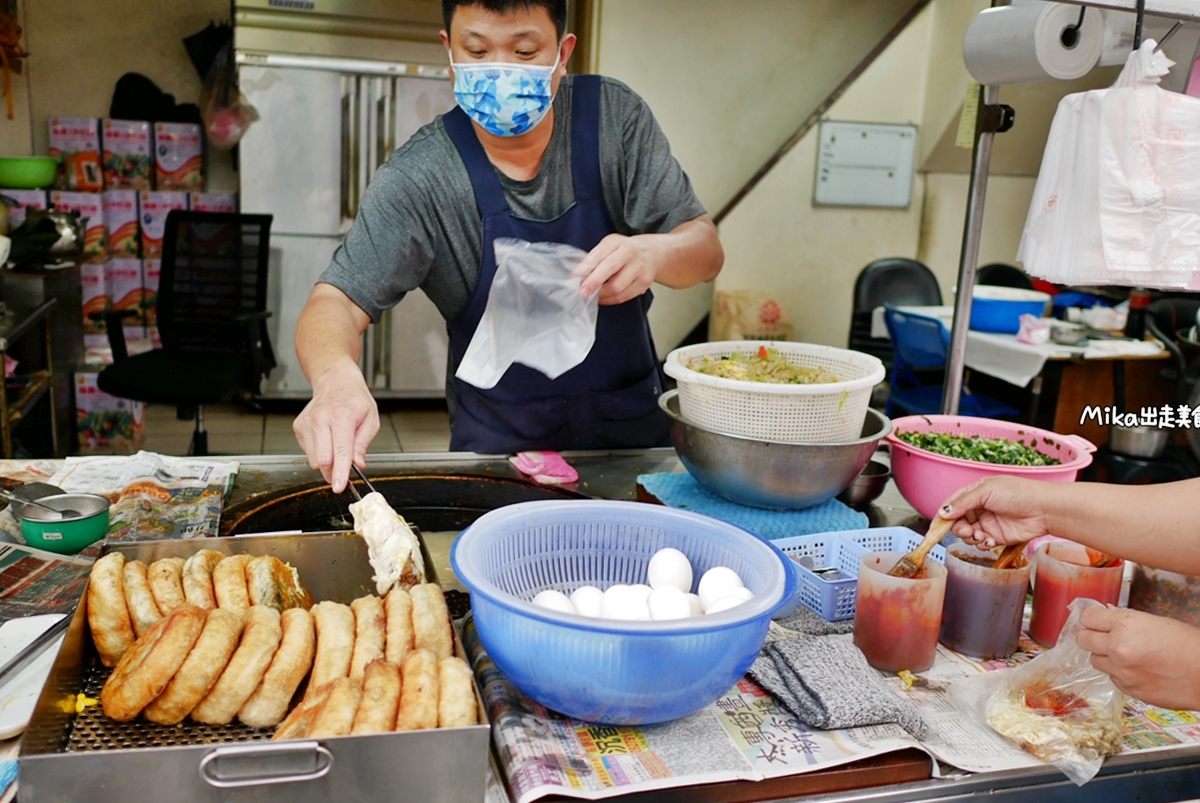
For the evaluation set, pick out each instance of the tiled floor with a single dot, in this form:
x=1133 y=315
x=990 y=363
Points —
x=233 y=429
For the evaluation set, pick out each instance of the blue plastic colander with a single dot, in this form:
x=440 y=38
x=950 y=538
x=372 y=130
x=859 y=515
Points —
x=599 y=670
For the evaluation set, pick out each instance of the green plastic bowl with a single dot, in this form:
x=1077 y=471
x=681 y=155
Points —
x=27 y=172
x=65 y=536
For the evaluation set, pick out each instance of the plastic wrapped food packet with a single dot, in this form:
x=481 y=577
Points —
x=1058 y=707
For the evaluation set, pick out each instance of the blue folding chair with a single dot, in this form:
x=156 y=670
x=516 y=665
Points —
x=923 y=343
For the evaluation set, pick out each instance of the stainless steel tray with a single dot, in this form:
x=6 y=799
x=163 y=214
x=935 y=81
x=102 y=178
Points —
x=70 y=757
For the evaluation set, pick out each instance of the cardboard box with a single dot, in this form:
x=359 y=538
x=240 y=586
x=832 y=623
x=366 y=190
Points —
x=151 y=273
x=126 y=293
x=178 y=156
x=26 y=199
x=128 y=158
x=121 y=222
x=90 y=207
x=153 y=208
x=75 y=142
x=106 y=424
x=95 y=298
x=213 y=202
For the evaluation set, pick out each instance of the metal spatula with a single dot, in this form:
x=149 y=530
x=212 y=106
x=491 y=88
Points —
x=910 y=565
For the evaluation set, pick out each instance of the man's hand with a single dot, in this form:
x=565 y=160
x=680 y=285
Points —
x=998 y=510
x=338 y=425
x=620 y=267
x=1148 y=657
x=341 y=420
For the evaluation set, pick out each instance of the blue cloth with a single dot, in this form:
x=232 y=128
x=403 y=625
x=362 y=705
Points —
x=610 y=401
x=682 y=491
x=8 y=774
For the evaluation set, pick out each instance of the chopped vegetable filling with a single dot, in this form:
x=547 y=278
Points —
x=999 y=451
x=768 y=365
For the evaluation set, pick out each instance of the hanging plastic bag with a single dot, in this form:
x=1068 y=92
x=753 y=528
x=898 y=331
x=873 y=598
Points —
x=225 y=111
x=1117 y=199
x=1057 y=707
x=535 y=314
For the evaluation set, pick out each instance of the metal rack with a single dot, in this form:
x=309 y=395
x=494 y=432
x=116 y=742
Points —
x=39 y=383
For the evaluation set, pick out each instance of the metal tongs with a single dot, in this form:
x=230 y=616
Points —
x=366 y=482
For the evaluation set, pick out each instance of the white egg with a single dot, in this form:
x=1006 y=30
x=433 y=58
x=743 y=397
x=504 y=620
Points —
x=622 y=602
x=641 y=590
x=668 y=602
x=694 y=604
x=715 y=582
x=725 y=603
x=586 y=600
x=554 y=600
x=670 y=567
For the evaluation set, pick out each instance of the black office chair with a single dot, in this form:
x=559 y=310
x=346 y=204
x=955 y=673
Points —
x=897 y=281
x=212 y=300
x=999 y=274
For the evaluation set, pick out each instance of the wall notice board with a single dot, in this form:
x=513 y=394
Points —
x=865 y=164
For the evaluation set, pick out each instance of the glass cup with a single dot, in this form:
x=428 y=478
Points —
x=1064 y=573
x=984 y=606
x=896 y=619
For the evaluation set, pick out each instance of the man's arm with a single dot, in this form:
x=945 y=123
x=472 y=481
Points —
x=342 y=419
x=622 y=267
x=1151 y=524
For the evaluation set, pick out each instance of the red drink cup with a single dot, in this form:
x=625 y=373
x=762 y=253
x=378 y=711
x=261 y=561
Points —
x=896 y=620
x=1064 y=573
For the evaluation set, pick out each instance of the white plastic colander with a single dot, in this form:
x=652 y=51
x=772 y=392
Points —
x=828 y=413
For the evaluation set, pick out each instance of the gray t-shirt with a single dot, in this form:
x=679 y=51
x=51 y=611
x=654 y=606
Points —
x=418 y=224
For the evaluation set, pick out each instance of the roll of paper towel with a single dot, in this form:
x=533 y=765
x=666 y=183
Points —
x=1021 y=43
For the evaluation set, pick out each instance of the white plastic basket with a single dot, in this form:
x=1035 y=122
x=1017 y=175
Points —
x=828 y=413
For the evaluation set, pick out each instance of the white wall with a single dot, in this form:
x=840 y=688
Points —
x=776 y=240
x=729 y=82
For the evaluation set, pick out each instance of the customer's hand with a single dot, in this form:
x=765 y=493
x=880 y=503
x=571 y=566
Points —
x=338 y=425
x=998 y=510
x=1148 y=657
x=620 y=267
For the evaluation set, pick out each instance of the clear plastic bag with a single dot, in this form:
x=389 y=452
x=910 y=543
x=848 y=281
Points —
x=1058 y=707
x=535 y=314
x=225 y=111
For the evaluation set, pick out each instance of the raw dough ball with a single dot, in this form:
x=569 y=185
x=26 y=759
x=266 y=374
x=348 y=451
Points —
x=715 y=583
x=554 y=601
x=586 y=600
x=670 y=567
x=668 y=602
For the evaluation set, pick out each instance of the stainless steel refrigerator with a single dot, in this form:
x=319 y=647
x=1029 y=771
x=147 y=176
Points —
x=326 y=124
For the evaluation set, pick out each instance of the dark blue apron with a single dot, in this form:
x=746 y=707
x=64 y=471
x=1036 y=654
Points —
x=610 y=400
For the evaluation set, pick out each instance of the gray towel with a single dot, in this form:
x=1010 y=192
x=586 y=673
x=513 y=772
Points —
x=804 y=621
x=827 y=683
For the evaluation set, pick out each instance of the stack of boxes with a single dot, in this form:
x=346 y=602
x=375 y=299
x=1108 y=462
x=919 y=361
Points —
x=124 y=177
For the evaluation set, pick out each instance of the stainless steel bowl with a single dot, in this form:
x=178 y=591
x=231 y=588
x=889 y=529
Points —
x=777 y=476
x=1147 y=442
x=1067 y=334
x=867 y=486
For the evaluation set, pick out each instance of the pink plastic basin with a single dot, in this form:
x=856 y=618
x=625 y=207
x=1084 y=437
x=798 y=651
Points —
x=926 y=479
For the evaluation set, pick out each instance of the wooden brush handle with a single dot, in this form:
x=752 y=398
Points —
x=1008 y=556
x=938 y=529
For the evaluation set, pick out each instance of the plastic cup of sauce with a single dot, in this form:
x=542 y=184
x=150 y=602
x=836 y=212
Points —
x=896 y=620
x=984 y=606
x=1065 y=573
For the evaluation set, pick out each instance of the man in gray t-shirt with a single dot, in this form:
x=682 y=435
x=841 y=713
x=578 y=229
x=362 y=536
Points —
x=425 y=222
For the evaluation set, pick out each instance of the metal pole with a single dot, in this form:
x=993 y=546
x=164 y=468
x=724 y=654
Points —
x=972 y=231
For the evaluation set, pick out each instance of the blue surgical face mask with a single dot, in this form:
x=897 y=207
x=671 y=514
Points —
x=506 y=99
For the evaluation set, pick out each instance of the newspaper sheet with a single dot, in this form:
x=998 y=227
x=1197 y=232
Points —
x=34 y=582
x=154 y=496
x=967 y=744
x=745 y=735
